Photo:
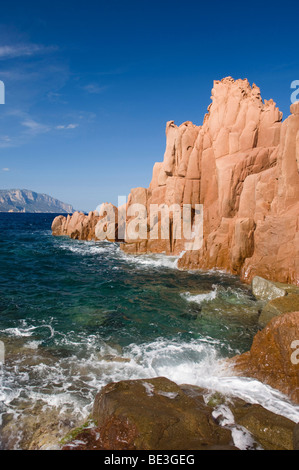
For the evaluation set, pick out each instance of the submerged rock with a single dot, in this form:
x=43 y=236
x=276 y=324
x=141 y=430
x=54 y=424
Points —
x=278 y=298
x=39 y=429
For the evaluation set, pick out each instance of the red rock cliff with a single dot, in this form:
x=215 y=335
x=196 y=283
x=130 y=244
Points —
x=242 y=165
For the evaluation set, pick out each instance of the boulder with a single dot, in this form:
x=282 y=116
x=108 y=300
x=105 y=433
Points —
x=266 y=290
x=150 y=414
x=154 y=414
x=272 y=431
x=274 y=355
x=157 y=414
x=93 y=226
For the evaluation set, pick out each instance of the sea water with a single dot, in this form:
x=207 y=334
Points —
x=77 y=315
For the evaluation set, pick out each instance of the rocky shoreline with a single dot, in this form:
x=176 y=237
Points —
x=242 y=165
x=157 y=414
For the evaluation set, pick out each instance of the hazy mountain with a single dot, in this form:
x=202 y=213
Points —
x=22 y=200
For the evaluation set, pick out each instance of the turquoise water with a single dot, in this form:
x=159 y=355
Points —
x=76 y=315
x=80 y=288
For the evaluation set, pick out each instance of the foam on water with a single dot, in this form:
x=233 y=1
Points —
x=196 y=363
x=151 y=260
x=70 y=384
x=113 y=250
x=25 y=331
x=242 y=438
x=85 y=248
x=199 y=298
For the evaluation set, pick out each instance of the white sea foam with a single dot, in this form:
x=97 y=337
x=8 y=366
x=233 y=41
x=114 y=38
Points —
x=92 y=248
x=26 y=331
x=242 y=438
x=149 y=388
x=75 y=381
x=200 y=298
x=150 y=260
x=85 y=248
x=69 y=384
x=198 y=363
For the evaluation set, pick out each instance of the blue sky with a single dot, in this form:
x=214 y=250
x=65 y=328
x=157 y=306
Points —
x=90 y=85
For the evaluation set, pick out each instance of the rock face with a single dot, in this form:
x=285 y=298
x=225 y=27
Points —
x=157 y=414
x=242 y=166
x=274 y=355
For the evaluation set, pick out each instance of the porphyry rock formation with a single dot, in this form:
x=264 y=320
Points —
x=274 y=355
x=242 y=166
x=93 y=226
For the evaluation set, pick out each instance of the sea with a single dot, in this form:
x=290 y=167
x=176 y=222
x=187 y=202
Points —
x=77 y=315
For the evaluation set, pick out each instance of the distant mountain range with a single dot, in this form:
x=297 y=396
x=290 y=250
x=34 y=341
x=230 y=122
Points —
x=22 y=200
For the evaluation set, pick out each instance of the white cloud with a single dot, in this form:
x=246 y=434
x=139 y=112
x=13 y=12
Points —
x=5 y=138
x=5 y=142
x=23 y=50
x=5 y=169
x=34 y=127
x=94 y=88
x=69 y=126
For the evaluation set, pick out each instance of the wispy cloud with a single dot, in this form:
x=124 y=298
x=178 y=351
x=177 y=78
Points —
x=35 y=127
x=5 y=142
x=23 y=50
x=94 y=88
x=68 y=126
x=6 y=169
